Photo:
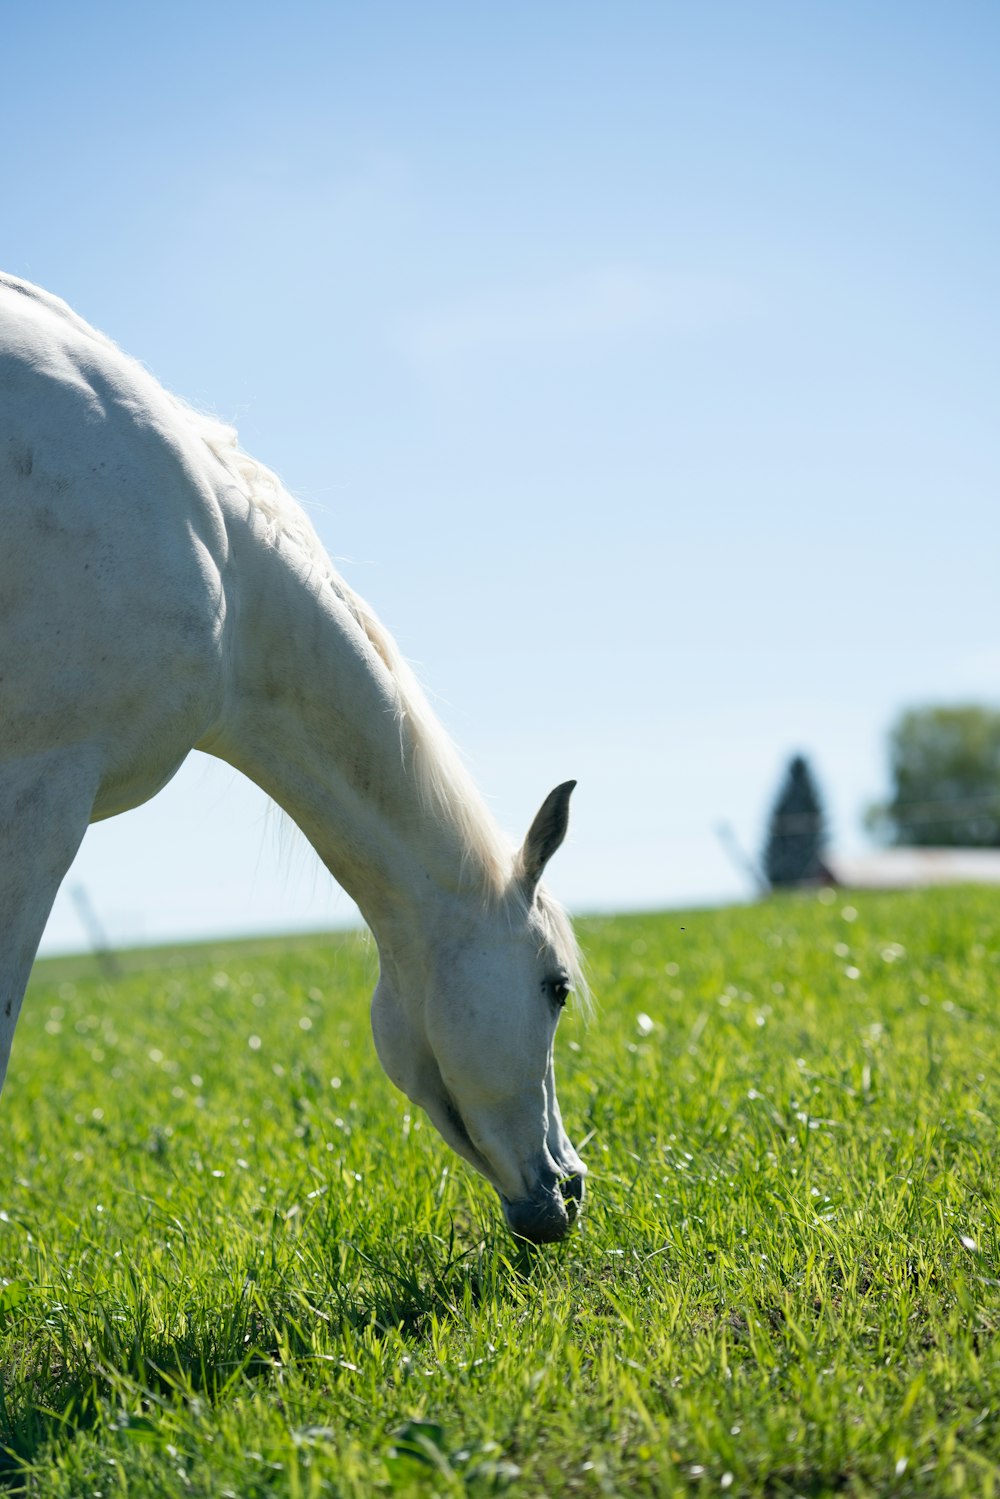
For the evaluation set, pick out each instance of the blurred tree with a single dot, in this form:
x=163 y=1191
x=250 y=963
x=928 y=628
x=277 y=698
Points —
x=796 y=834
x=945 y=768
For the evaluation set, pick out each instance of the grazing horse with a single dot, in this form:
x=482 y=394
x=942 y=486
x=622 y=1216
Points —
x=161 y=592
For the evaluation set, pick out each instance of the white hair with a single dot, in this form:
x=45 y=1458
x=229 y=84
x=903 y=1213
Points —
x=442 y=782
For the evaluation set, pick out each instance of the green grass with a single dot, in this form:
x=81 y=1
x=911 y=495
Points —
x=235 y=1262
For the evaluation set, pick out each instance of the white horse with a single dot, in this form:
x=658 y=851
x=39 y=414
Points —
x=160 y=591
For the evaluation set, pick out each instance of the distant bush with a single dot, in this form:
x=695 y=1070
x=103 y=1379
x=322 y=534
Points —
x=945 y=769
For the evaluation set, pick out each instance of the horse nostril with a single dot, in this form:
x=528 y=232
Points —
x=571 y=1188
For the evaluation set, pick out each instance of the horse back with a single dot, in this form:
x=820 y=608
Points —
x=112 y=599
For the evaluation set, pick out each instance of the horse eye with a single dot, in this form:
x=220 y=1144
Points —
x=557 y=990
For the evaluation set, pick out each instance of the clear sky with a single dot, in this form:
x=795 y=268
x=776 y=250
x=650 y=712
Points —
x=638 y=362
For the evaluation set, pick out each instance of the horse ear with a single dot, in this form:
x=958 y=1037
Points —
x=544 y=836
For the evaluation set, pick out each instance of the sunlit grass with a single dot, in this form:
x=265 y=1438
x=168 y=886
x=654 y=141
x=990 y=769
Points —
x=237 y=1263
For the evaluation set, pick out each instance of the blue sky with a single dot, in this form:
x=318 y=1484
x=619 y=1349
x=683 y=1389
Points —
x=639 y=363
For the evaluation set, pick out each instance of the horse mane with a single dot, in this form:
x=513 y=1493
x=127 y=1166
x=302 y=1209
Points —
x=443 y=784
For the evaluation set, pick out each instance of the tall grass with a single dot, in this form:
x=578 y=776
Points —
x=233 y=1262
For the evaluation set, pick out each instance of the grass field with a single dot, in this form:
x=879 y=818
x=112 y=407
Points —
x=234 y=1263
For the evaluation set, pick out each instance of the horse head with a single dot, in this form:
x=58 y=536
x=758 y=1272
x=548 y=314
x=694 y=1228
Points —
x=464 y=1022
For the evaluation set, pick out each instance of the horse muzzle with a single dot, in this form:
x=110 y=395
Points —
x=549 y=1215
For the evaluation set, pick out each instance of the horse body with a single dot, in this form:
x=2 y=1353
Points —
x=160 y=592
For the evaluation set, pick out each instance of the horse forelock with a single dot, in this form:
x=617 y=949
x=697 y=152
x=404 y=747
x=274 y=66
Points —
x=561 y=936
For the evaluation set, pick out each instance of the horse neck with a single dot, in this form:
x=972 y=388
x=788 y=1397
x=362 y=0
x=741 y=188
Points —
x=312 y=715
